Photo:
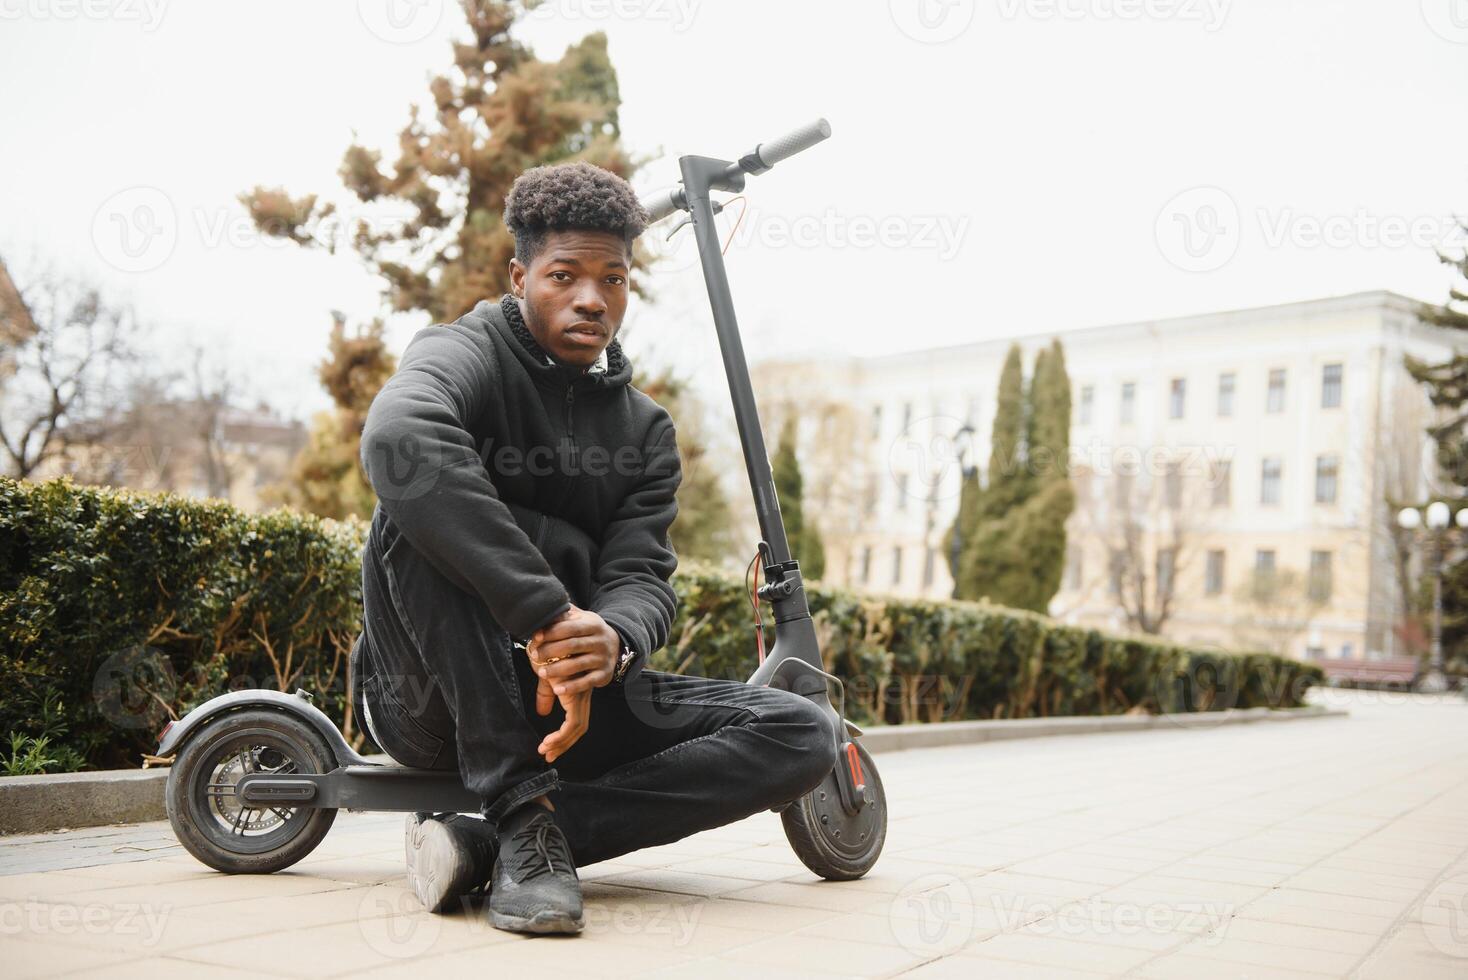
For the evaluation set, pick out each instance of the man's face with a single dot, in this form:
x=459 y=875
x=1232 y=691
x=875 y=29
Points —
x=574 y=293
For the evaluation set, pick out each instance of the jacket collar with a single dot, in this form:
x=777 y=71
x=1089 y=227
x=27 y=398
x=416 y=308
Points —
x=612 y=369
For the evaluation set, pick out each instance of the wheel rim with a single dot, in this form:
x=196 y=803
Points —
x=852 y=836
x=228 y=821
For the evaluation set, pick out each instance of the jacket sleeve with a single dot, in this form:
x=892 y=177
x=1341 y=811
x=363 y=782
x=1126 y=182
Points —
x=633 y=591
x=421 y=460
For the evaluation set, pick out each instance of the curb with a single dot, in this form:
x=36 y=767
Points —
x=894 y=738
x=36 y=804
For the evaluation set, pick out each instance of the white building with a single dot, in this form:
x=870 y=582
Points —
x=1264 y=439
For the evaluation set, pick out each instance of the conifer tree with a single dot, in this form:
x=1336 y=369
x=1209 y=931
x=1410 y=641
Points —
x=806 y=546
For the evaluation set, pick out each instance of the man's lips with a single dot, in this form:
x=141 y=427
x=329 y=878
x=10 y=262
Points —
x=585 y=333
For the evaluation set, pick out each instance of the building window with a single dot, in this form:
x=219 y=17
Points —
x=873 y=492
x=1226 y=395
x=1222 y=475
x=1073 y=567
x=1213 y=573
x=1330 y=386
x=1128 y=402
x=1177 y=402
x=1166 y=564
x=1115 y=568
x=1263 y=572
x=1274 y=403
x=1327 y=469
x=930 y=559
x=906 y=415
x=1088 y=401
x=866 y=564
x=1320 y=576
x=897 y=565
x=902 y=491
x=876 y=421
x=1270 y=477
x=1172 y=485
x=1315 y=653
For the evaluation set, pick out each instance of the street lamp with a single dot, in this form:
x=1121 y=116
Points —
x=964 y=434
x=1437 y=516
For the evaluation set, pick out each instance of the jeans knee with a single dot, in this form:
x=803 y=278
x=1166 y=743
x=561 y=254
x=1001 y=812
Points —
x=812 y=740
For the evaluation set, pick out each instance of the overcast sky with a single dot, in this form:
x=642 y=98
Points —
x=997 y=168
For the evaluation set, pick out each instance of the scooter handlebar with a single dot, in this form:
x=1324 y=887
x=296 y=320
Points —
x=793 y=142
x=769 y=153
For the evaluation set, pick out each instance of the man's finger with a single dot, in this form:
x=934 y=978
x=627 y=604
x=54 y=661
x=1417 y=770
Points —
x=545 y=697
x=571 y=666
x=583 y=683
x=560 y=741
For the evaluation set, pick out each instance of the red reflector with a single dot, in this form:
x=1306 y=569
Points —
x=166 y=729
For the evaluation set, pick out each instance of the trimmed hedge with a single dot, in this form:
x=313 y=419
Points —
x=119 y=610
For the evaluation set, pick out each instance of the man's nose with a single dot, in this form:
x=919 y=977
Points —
x=589 y=303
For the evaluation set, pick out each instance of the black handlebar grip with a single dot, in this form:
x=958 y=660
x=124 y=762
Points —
x=662 y=204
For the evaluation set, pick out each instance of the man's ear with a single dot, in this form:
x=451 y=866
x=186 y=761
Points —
x=517 y=278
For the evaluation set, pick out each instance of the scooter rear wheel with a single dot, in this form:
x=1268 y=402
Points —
x=214 y=824
x=837 y=845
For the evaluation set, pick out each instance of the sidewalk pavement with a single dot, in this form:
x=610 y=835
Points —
x=1334 y=847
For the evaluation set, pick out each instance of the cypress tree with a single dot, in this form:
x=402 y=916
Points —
x=806 y=546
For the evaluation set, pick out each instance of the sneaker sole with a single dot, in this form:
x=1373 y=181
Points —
x=540 y=922
x=438 y=870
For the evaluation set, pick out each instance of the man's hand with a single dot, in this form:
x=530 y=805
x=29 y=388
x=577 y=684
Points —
x=571 y=656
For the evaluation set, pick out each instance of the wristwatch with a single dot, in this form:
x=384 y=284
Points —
x=624 y=663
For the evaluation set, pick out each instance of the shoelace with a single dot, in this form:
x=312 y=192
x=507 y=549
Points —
x=546 y=846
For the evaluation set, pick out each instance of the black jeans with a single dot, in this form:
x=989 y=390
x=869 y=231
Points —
x=664 y=756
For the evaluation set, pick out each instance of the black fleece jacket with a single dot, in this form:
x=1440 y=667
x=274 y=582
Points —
x=528 y=483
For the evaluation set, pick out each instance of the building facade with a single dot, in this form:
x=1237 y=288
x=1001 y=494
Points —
x=1236 y=473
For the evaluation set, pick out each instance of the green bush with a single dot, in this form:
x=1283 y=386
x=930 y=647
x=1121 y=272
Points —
x=119 y=610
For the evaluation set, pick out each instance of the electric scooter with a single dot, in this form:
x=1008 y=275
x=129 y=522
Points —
x=258 y=776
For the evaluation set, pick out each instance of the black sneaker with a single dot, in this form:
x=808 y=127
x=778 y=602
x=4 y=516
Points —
x=534 y=887
x=449 y=855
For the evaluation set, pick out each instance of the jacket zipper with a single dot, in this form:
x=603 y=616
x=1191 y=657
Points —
x=575 y=449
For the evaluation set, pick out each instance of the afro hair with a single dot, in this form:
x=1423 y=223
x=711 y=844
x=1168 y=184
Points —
x=575 y=195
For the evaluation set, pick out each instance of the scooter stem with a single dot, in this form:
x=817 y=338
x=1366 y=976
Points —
x=794 y=632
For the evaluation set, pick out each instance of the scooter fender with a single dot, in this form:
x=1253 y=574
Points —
x=179 y=731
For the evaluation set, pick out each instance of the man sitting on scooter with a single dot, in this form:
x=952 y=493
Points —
x=516 y=579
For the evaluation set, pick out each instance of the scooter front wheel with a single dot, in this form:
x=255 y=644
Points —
x=208 y=816
x=835 y=844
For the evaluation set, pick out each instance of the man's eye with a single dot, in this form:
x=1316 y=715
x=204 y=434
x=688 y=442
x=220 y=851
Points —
x=615 y=280
x=560 y=272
